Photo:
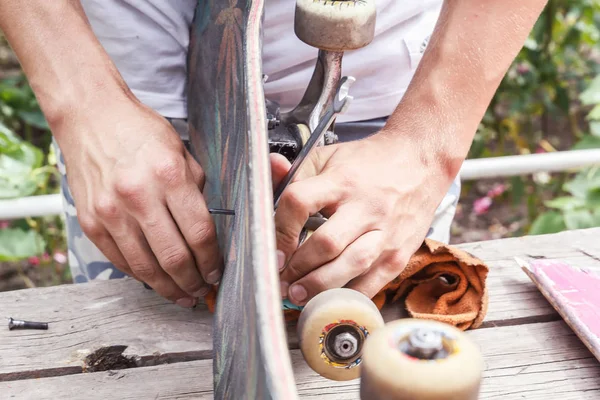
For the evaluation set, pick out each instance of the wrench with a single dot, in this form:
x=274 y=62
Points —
x=339 y=105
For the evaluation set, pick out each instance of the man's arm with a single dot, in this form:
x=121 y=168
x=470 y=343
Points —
x=381 y=193
x=136 y=188
x=63 y=60
x=470 y=51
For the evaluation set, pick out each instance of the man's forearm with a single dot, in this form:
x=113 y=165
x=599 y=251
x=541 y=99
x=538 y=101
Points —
x=470 y=51
x=63 y=60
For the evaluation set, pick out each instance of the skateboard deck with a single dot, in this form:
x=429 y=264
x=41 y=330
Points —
x=228 y=137
x=232 y=129
x=573 y=293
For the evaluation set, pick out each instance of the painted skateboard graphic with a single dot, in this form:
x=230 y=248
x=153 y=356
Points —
x=573 y=293
x=227 y=120
x=233 y=127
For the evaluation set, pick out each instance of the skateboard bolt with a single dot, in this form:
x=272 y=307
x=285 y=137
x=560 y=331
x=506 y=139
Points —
x=425 y=344
x=18 y=324
x=345 y=345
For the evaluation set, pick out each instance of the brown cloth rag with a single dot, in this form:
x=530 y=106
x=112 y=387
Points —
x=440 y=282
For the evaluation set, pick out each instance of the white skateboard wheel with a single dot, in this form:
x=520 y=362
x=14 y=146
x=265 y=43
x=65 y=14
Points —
x=420 y=360
x=332 y=329
x=338 y=25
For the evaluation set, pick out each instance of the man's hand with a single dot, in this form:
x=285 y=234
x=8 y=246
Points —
x=138 y=197
x=379 y=196
x=136 y=189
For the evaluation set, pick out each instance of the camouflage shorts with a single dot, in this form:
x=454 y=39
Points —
x=88 y=263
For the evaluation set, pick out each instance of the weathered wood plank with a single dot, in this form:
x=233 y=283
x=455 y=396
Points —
x=89 y=316
x=83 y=318
x=534 y=361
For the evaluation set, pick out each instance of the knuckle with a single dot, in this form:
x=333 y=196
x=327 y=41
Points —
x=106 y=207
x=173 y=259
x=317 y=284
x=201 y=233
x=171 y=170
x=90 y=225
x=329 y=245
x=197 y=172
x=361 y=260
x=396 y=260
x=145 y=272
x=286 y=240
x=195 y=286
x=294 y=271
x=133 y=191
x=292 y=199
x=200 y=178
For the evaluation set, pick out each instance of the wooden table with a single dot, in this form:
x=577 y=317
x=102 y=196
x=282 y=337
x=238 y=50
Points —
x=530 y=353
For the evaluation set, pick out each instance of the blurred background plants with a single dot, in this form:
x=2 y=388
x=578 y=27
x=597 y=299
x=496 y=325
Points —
x=548 y=101
x=31 y=249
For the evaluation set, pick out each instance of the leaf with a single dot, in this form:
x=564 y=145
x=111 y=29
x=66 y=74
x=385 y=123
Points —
x=592 y=199
x=34 y=118
x=7 y=145
x=580 y=219
x=592 y=94
x=565 y=203
x=14 y=97
x=595 y=128
x=585 y=180
x=517 y=189
x=548 y=222
x=21 y=170
x=587 y=142
x=18 y=244
x=594 y=114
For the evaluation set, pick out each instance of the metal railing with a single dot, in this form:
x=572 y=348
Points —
x=483 y=168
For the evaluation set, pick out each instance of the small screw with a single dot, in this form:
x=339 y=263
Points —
x=221 y=211
x=18 y=324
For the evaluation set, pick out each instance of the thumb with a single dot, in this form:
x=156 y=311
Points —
x=312 y=166
x=279 y=168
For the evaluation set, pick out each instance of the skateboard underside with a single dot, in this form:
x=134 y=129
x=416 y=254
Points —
x=228 y=137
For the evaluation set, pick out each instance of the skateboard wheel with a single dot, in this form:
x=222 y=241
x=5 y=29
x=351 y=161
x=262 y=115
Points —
x=420 y=360
x=332 y=329
x=338 y=25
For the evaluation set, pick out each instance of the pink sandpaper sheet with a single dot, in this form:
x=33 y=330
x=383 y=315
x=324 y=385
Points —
x=574 y=293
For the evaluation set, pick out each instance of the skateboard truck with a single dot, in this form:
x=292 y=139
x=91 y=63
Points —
x=338 y=105
x=333 y=32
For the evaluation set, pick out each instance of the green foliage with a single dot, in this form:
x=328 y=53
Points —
x=19 y=108
x=537 y=101
x=27 y=167
x=22 y=168
x=17 y=244
x=579 y=208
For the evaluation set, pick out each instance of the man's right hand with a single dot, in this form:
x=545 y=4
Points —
x=138 y=197
x=137 y=190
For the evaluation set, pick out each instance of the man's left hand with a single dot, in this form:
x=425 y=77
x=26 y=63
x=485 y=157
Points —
x=379 y=195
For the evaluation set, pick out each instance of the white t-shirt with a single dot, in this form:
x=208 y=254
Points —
x=148 y=41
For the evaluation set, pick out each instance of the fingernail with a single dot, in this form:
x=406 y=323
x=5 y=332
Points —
x=202 y=292
x=186 y=302
x=284 y=289
x=213 y=277
x=298 y=293
x=280 y=259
